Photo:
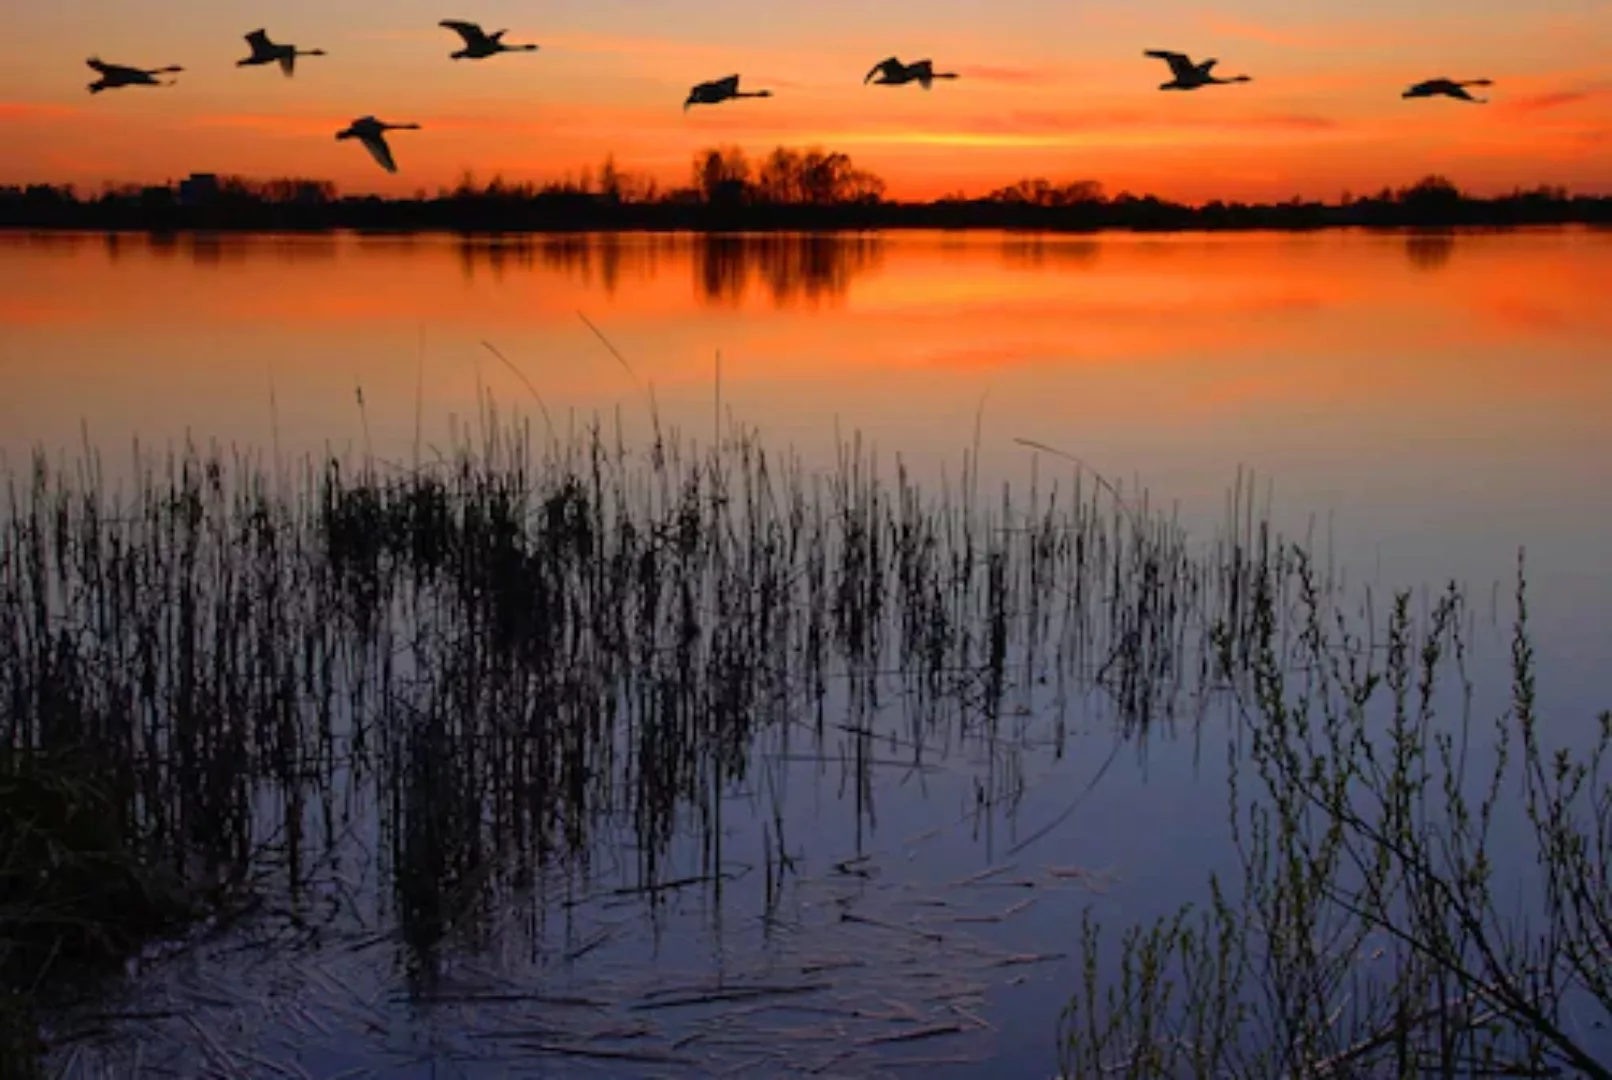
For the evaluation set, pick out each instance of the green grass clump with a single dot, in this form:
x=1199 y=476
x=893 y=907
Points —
x=523 y=658
x=73 y=887
x=1414 y=898
x=77 y=897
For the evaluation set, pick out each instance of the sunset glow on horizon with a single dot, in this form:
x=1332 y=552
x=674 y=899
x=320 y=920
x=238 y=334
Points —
x=1055 y=90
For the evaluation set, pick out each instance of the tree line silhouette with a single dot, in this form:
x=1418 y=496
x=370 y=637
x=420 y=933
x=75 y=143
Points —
x=789 y=188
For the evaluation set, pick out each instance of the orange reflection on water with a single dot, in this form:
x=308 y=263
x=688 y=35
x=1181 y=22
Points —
x=1145 y=349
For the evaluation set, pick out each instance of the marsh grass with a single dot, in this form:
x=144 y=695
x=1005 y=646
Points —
x=526 y=647
x=1420 y=892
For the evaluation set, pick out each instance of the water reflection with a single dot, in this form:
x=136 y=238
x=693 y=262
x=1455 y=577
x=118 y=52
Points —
x=1038 y=251
x=1430 y=249
x=211 y=249
x=788 y=269
x=601 y=260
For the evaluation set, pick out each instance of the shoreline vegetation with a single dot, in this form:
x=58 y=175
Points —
x=537 y=648
x=789 y=189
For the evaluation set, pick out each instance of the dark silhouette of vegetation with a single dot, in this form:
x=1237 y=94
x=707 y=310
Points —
x=531 y=656
x=789 y=188
x=786 y=268
x=1415 y=896
x=211 y=680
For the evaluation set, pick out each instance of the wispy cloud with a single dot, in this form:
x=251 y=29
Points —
x=1234 y=28
x=289 y=124
x=24 y=111
x=1012 y=75
x=1541 y=102
x=1089 y=120
x=626 y=45
x=763 y=81
x=1546 y=100
x=438 y=35
x=1052 y=124
x=1332 y=33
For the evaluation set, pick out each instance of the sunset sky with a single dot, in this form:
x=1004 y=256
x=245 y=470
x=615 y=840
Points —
x=1048 y=87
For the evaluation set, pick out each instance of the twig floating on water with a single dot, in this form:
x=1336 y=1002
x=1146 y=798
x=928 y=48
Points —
x=1000 y=916
x=472 y=998
x=988 y=872
x=657 y=1057
x=945 y=1027
x=814 y=967
x=737 y=993
x=1028 y=958
x=851 y=916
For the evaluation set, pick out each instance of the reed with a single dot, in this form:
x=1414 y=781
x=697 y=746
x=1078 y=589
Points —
x=1413 y=895
x=522 y=653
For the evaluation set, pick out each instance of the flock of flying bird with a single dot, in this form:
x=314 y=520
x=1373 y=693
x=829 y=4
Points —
x=478 y=45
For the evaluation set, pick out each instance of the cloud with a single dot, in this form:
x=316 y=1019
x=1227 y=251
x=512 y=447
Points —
x=439 y=35
x=770 y=82
x=286 y=125
x=1252 y=32
x=1012 y=75
x=1024 y=127
x=1550 y=100
x=613 y=44
x=1079 y=121
x=25 y=111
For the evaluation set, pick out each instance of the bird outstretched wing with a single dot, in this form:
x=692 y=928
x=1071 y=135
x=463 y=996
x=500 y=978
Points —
x=472 y=33
x=891 y=66
x=1180 y=63
x=259 y=40
x=288 y=63
x=375 y=143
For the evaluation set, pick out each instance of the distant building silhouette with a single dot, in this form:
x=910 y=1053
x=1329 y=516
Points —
x=805 y=190
x=199 y=189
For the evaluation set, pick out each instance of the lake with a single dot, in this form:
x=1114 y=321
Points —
x=1420 y=406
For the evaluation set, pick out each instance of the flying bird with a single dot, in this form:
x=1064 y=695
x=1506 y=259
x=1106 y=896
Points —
x=372 y=133
x=718 y=90
x=1190 y=76
x=893 y=72
x=265 y=51
x=115 y=75
x=1448 y=88
x=478 y=43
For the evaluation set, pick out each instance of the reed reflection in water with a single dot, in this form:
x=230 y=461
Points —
x=789 y=269
x=691 y=742
x=482 y=726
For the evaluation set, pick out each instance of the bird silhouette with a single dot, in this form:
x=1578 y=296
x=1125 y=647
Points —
x=265 y=51
x=116 y=75
x=718 y=90
x=1447 y=88
x=478 y=43
x=892 y=72
x=372 y=133
x=1190 y=76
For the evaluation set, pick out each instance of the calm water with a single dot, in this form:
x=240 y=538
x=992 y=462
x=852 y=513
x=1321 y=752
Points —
x=1427 y=404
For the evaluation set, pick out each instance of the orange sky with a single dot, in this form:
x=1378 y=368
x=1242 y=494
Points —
x=1047 y=88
